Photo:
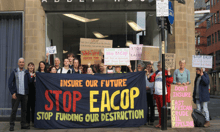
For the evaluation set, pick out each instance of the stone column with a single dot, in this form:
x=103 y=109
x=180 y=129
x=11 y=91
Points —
x=34 y=46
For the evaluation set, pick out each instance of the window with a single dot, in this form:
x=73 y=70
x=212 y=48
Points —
x=211 y=3
x=219 y=35
x=215 y=37
x=212 y=20
x=198 y=40
x=207 y=5
x=208 y=40
x=195 y=40
x=218 y=55
x=214 y=2
x=208 y=23
x=217 y=16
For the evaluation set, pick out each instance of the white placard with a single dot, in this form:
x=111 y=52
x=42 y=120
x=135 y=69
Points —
x=51 y=50
x=135 y=51
x=162 y=8
x=202 y=61
x=117 y=56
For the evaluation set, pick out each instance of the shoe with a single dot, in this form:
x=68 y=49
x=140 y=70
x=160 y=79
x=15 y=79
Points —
x=11 y=128
x=207 y=124
x=25 y=127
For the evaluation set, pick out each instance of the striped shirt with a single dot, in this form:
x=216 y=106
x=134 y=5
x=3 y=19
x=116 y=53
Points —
x=21 y=89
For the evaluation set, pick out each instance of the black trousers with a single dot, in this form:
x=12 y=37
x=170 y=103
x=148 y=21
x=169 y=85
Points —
x=30 y=108
x=15 y=103
x=150 y=105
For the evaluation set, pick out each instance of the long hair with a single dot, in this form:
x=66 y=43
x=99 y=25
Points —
x=31 y=63
x=39 y=70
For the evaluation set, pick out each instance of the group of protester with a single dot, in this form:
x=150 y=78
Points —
x=22 y=85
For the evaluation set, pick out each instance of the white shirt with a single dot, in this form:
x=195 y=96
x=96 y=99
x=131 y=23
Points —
x=64 y=71
x=158 y=84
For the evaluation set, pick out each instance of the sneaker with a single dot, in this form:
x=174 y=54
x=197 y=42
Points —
x=207 y=124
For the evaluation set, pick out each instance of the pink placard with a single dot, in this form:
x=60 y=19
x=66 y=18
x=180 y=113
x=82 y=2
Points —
x=135 y=51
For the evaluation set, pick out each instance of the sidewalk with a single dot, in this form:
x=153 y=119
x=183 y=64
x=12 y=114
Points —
x=215 y=127
x=215 y=96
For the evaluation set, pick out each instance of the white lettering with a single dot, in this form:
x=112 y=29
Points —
x=129 y=0
x=81 y=1
x=69 y=0
x=56 y=0
x=44 y=1
x=117 y=0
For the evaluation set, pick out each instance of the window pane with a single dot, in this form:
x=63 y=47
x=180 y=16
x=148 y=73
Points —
x=217 y=16
x=213 y=38
x=208 y=40
x=219 y=35
x=198 y=40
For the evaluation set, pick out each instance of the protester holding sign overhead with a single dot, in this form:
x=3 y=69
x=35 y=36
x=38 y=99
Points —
x=66 y=69
x=201 y=95
x=157 y=78
x=181 y=75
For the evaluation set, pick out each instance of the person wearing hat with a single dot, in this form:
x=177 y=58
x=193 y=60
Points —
x=201 y=93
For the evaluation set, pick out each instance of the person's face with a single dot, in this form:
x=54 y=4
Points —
x=198 y=71
x=53 y=70
x=81 y=68
x=159 y=66
x=149 y=68
x=182 y=64
x=109 y=67
x=42 y=66
x=31 y=68
x=101 y=68
x=118 y=69
x=66 y=62
x=21 y=63
x=140 y=68
x=70 y=59
x=76 y=63
x=57 y=62
x=89 y=71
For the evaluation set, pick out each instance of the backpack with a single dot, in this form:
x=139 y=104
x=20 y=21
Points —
x=199 y=118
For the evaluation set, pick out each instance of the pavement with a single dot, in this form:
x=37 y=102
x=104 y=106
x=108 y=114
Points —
x=215 y=127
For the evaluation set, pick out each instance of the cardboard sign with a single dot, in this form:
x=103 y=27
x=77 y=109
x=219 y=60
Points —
x=91 y=56
x=202 y=61
x=117 y=56
x=150 y=53
x=51 y=50
x=170 y=60
x=89 y=44
x=162 y=8
x=181 y=106
x=135 y=52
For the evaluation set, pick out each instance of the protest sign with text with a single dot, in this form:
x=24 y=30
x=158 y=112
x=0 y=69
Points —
x=117 y=56
x=81 y=101
x=91 y=56
x=51 y=50
x=135 y=51
x=93 y=44
x=202 y=61
x=170 y=60
x=181 y=106
x=150 y=53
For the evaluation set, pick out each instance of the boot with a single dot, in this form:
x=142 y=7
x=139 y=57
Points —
x=207 y=124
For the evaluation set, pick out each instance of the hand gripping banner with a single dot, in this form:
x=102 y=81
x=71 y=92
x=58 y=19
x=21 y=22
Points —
x=82 y=101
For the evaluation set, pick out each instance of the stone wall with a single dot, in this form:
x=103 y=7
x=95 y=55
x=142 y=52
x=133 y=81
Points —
x=12 y=5
x=34 y=45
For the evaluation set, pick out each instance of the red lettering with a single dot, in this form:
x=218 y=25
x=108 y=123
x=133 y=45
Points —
x=57 y=93
x=67 y=109
x=49 y=100
x=76 y=99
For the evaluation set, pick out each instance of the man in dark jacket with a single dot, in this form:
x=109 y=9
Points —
x=18 y=86
x=201 y=93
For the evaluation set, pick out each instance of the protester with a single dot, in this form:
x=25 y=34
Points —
x=140 y=67
x=110 y=69
x=71 y=57
x=89 y=71
x=57 y=63
x=48 y=68
x=42 y=67
x=76 y=66
x=118 y=69
x=31 y=95
x=157 y=78
x=201 y=95
x=18 y=86
x=52 y=69
x=102 y=68
x=66 y=69
x=81 y=71
x=150 y=100
x=181 y=75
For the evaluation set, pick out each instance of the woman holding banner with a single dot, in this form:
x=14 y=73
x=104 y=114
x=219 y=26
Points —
x=157 y=78
x=42 y=67
x=66 y=69
x=181 y=76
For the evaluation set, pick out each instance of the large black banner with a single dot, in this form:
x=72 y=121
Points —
x=79 y=101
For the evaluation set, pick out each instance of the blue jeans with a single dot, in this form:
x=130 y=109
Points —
x=204 y=108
